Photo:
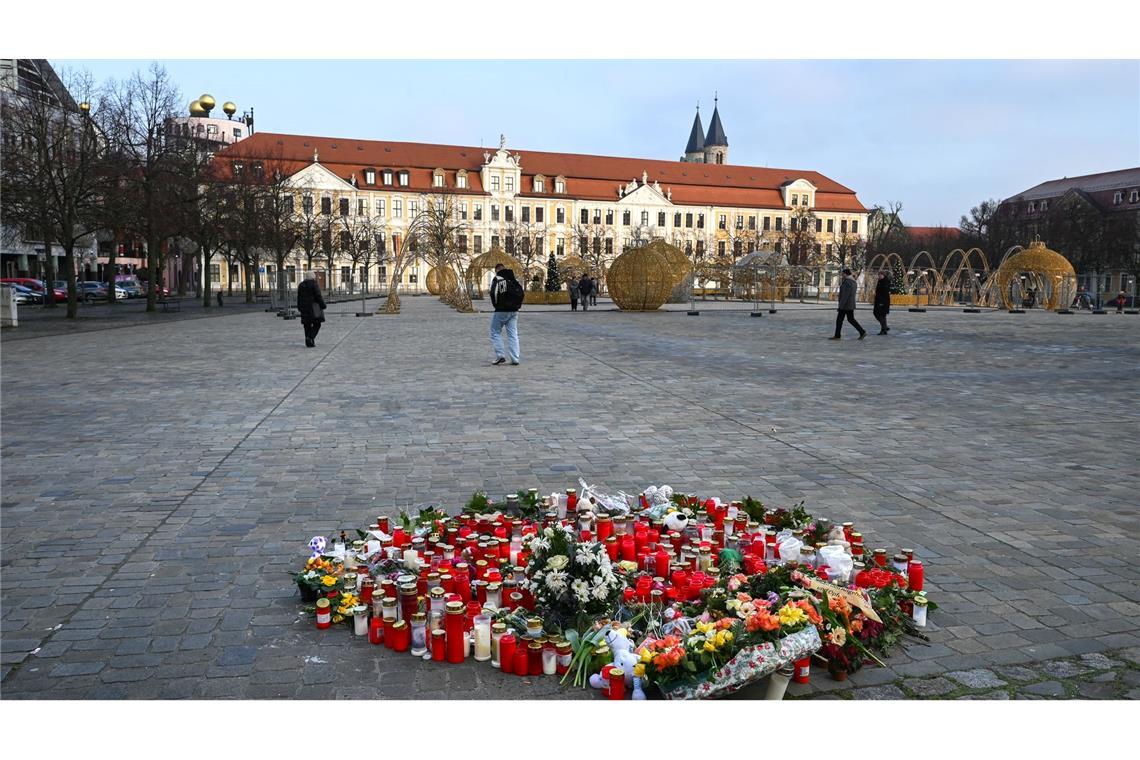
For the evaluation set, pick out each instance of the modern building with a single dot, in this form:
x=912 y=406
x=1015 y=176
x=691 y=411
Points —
x=1093 y=220
x=530 y=203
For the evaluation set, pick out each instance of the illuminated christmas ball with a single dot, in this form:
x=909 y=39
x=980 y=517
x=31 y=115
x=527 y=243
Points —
x=640 y=280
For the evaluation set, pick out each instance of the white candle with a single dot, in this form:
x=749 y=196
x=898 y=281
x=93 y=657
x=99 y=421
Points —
x=411 y=559
x=482 y=637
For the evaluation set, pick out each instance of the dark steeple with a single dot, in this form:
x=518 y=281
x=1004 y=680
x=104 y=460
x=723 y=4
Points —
x=696 y=137
x=716 y=131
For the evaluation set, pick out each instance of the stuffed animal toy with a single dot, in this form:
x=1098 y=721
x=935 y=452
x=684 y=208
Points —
x=625 y=658
x=677 y=521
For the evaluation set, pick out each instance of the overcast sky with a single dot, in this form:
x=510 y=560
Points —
x=939 y=136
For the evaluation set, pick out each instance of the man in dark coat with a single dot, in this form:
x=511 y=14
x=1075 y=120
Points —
x=585 y=288
x=311 y=305
x=882 y=302
x=593 y=291
x=846 y=306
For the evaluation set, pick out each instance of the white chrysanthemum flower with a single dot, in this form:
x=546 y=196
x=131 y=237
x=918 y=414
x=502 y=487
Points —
x=548 y=532
x=601 y=592
x=558 y=562
x=557 y=581
x=583 y=556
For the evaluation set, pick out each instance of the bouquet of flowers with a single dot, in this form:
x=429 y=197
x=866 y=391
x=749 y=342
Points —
x=318 y=576
x=572 y=581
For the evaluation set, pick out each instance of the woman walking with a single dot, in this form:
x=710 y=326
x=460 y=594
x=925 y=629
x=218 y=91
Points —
x=572 y=286
x=312 y=307
x=882 y=302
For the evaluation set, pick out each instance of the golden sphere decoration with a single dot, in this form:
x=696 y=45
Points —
x=640 y=280
x=207 y=102
x=437 y=284
x=1046 y=270
x=678 y=261
x=229 y=107
x=196 y=108
x=84 y=106
x=572 y=266
x=488 y=260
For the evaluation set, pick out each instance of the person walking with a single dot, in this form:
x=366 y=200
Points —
x=882 y=302
x=572 y=286
x=1121 y=299
x=846 y=306
x=593 y=291
x=507 y=298
x=585 y=288
x=312 y=306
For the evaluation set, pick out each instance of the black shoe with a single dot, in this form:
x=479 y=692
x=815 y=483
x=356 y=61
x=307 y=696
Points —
x=834 y=337
x=500 y=360
x=882 y=332
x=309 y=343
x=862 y=335
x=514 y=364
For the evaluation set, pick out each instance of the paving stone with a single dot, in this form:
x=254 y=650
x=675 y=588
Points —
x=931 y=687
x=1097 y=690
x=1017 y=673
x=186 y=526
x=879 y=692
x=989 y=695
x=1045 y=689
x=976 y=679
x=1062 y=668
x=69 y=669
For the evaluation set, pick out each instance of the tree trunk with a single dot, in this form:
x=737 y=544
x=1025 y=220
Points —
x=152 y=275
x=205 y=275
x=69 y=264
x=112 y=273
x=49 y=268
x=248 y=281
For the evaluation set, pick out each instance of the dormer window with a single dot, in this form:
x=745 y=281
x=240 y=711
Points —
x=540 y=184
x=387 y=175
x=1032 y=207
x=1044 y=205
x=795 y=200
x=494 y=182
x=404 y=179
x=370 y=176
x=510 y=184
x=461 y=179
x=1118 y=197
x=437 y=178
x=1134 y=196
x=559 y=185
x=239 y=167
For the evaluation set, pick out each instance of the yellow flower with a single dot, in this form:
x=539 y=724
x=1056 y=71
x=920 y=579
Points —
x=709 y=647
x=342 y=610
x=728 y=635
x=337 y=618
x=639 y=670
x=646 y=655
x=328 y=580
x=791 y=615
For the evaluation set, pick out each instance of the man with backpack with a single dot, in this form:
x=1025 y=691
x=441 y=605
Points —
x=585 y=288
x=507 y=298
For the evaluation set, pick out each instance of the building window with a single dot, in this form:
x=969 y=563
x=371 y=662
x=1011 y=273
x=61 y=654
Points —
x=397 y=209
x=843 y=227
x=1033 y=206
x=403 y=179
x=1134 y=196
x=560 y=247
x=795 y=199
x=494 y=213
x=509 y=212
x=362 y=207
x=609 y=246
x=461 y=181
x=723 y=222
x=307 y=204
x=831 y=225
x=779 y=224
x=767 y=223
x=380 y=207
x=437 y=180
x=560 y=186
x=494 y=242
x=855 y=224
x=625 y=218
x=239 y=167
x=1117 y=197
x=510 y=244
x=829 y=247
x=597 y=216
x=237 y=132
x=1044 y=205
x=326 y=205
x=560 y=215
x=585 y=216
x=387 y=177
x=700 y=221
x=819 y=225
x=539 y=214
x=583 y=245
x=413 y=209
x=478 y=244
x=412 y=278
x=461 y=211
x=644 y=218
x=793 y=223
x=289 y=205
x=494 y=182
x=720 y=248
x=510 y=184
x=689 y=220
x=539 y=185
x=211 y=129
x=677 y=219
x=660 y=218
x=215 y=273
x=739 y=221
x=525 y=214
x=370 y=176
x=478 y=212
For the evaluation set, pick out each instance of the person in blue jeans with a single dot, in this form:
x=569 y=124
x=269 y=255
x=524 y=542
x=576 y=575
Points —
x=506 y=297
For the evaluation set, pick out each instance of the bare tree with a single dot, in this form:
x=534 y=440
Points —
x=404 y=249
x=54 y=174
x=885 y=230
x=438 y=226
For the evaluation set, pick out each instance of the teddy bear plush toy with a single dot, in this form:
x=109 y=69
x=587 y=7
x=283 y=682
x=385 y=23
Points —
x=625 y=658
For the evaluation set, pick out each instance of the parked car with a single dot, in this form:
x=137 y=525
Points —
x=38 y=286
x=22 y=294
x=129 y=286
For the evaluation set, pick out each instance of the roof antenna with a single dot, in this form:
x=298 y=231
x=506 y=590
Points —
x=715 y=96
x=698 y=106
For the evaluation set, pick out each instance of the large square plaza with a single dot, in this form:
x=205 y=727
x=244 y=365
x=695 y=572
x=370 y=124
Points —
x=160 y=481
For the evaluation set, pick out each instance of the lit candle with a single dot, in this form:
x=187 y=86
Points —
x=919 y=611
x=360 y=620
x=482 y=638
x=324 y=613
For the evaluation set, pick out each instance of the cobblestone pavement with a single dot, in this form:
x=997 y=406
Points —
x=151 y=513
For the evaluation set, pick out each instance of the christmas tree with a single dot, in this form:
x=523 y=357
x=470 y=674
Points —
x=553 y=280
x=898 y=283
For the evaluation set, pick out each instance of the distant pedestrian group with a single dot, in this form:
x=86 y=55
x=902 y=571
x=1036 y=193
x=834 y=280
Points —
x=845 y=309
x=584 y=290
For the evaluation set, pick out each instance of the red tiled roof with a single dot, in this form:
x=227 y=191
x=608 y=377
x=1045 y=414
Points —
x=933 y=233
x=587 y=177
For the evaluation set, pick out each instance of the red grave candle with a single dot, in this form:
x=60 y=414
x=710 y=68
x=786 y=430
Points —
x=453 y=625
x=571 y=500
x=803 y=670
x=661 y=564
x=534 y=658
x=376 y=631
x=402 y=634
x=605 y=527
x=628 y=549
x=520 y=662
x=324 y=613
x=612 y=548
x=438 y=646
x=616 y=678
x=507 y=652
x=915 y=575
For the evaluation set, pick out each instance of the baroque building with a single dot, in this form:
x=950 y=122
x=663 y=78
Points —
x=532 y=203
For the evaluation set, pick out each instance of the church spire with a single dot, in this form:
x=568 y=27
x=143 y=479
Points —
x=696 y=135
x=716 y=135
